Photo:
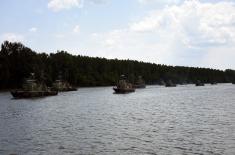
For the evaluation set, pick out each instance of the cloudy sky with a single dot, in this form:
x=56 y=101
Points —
x=174 y=32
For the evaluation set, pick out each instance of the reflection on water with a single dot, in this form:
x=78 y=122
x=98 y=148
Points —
x=155 y=120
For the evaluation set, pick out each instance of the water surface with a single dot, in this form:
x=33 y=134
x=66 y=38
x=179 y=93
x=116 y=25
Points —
x=155 y=120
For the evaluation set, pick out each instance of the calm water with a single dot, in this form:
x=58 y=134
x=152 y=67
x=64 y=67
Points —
x=155 y=120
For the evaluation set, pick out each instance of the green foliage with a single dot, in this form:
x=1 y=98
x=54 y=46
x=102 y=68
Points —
x=18 y=61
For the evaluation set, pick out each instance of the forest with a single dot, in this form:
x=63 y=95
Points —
x=18 y=61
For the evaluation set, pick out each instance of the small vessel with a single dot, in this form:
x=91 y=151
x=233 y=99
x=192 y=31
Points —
x=162 y=83
x=140 y=83
x=123 y=86
x=199 y=83
x=61 y=86
x=213 y=83
x=33 y=89
x=169 y=83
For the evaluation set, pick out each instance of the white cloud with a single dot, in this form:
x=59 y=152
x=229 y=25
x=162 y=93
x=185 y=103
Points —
x=199 y=23
x=184 y=34
x=125 y=44
x=33 y=29
x=97 y=1
x=76 y=29
x=58 y=5
x=220 y=57
x=159 y=1
x=13 y=37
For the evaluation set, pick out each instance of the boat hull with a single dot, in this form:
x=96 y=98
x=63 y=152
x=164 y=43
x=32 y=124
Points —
x=123 y=91
x=213 y=83
x=32 y=94
x=201 y=84
x=170 y=85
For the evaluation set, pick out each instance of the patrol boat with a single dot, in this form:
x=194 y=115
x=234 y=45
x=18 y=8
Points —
x=123 y=86
x=31 y=88
x=140 y=83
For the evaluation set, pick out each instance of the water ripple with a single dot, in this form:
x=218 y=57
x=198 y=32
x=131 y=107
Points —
x=155 y=120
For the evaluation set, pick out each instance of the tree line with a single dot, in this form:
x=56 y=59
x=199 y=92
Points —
x=18 y=61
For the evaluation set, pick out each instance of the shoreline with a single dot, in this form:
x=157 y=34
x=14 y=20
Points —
x=78 y=87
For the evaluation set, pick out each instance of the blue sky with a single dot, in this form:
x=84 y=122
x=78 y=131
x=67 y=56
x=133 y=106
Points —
x=197 y=33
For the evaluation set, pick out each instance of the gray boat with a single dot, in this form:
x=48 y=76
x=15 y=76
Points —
x=169 y=83
x=123 y=86
x=31 y=88
x=140 y=83
x=60 y=85
x=199 y=83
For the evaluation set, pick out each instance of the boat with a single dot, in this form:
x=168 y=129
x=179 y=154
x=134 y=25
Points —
x=140 y=83
x=32 y=94
x=123 y=86
x=62 y=86
x=213 y=83
x=199 y=83
x=162 y=83
x=31 y=88
x=169 y=83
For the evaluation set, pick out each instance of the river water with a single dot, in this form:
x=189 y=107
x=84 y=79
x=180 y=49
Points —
x=156 y=120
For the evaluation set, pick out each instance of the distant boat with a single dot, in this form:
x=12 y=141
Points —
x=123 y=86
x=213 y=83
x=33 y=89
x=169 y=83
x=140 y=83
x=162 y=83
x=199 y=83
x=60 y=85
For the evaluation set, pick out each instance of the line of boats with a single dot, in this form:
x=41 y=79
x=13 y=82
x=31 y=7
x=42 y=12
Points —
x=31 y=88
x=123 y=86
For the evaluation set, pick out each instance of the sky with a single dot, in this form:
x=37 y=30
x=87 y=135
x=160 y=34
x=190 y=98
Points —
x=199 y=33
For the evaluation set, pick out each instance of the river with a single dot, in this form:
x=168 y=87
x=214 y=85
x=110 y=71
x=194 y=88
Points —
x=156 y=120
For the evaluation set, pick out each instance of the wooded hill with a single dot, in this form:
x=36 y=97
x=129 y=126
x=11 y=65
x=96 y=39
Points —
x=18 y=61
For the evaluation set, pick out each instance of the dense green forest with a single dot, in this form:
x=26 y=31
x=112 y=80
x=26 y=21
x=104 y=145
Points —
x=18 y=61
